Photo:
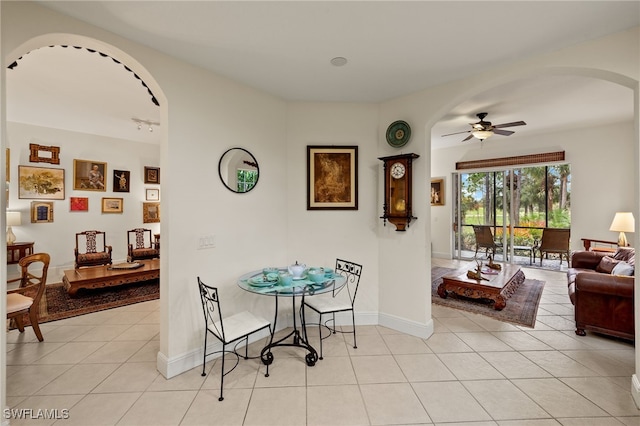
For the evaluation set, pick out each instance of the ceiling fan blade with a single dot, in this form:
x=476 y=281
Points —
x=467 y=138
x=456 y=133
x=503 y=132
x=515 y=123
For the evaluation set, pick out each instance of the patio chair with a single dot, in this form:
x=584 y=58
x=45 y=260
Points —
x=485 y=240
x=25 y=300
x=553 y=241
x=340 y=300
x=236 y=328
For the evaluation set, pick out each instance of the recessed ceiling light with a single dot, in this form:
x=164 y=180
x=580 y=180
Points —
x=338 y=61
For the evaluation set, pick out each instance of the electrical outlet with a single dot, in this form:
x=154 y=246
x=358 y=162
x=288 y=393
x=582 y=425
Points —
x=206 y=242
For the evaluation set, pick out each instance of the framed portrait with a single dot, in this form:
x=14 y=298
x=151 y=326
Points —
x=153 y=194
x=151 y=174
x=41 y=211
x=89 y=175
x=332 y=177
x=44 y=154
x=79 y=204
x=150 y=212
x=437 y=192
x=40 y=183
x=121 y=180
x=112 y=205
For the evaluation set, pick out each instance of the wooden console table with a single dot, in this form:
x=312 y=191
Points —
x=93 y=277
x=18 y=250
x=591 y=245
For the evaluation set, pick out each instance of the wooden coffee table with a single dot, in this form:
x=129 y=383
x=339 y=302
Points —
x=93 y=277
x=498 y=288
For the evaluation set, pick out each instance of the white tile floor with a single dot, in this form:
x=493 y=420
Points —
x=473 y=371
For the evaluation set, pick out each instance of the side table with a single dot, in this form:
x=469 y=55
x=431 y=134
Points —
x=18 y=250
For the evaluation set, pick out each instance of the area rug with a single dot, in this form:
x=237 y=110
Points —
x=521 y=309
x=58 y=305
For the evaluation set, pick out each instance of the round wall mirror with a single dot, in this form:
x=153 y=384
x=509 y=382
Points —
x=238 y=170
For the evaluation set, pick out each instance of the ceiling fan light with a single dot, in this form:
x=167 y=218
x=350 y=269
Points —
x=482 y=134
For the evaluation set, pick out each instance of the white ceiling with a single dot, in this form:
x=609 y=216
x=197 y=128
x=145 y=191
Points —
x=393 y=48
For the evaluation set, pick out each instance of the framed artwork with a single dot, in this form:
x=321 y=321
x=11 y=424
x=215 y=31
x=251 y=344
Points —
x=151 y=174
x=40 y=183
x=332 y=177
x=153 y=194
x=437 y=192
x=7 y=170
x=44 y=154
x=89 y=175
x=79 y=204
x=41 y=211
x=112 y=205
x=150 y=212
x=121 y=180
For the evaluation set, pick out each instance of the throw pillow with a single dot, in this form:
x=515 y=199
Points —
x=607 y=264
x=623 y=268
x=626 y=254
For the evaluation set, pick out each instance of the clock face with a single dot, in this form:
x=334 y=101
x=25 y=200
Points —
x=397 y=170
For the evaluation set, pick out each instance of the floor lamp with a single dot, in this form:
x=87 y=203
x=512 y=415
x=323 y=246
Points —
x=623 y=222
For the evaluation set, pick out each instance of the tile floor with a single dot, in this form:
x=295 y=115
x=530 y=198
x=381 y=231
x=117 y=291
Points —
x=472 y=371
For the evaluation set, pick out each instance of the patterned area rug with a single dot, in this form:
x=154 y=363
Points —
x=521 y=309
x=58 y=305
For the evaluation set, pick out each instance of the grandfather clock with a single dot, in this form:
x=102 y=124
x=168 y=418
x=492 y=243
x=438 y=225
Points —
x=397 y=190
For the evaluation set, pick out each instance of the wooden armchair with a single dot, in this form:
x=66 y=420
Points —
x=87 y=245
x=25 y=300
x=485 y=239
x=553 y=241
x=141 y=245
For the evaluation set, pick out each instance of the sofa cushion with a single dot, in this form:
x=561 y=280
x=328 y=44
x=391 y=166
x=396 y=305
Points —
x=627 y=254
x=623 y=268
x=606 y=265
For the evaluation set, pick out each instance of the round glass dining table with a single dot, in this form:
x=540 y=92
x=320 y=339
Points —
x=254 y=282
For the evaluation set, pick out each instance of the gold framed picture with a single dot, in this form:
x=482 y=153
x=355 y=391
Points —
x=332 y=177
x=153 y=194
x=112 y=205
x=44 y=154
x=150 y=212
x=41 y=211
x=89 y=175
x=151 y=174
x=40 y=183
x=437 y=192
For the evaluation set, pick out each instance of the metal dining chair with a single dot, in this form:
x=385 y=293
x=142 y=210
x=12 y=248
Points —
x=236 y=328
x=340 y=300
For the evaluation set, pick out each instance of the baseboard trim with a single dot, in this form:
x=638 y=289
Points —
x=423 y=331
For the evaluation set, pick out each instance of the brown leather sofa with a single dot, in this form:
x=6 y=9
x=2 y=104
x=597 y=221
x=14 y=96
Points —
x=603 y=301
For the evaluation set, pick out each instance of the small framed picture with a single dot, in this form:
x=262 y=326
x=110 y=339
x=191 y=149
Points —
x=151 y=174
x=79 y=204
x=437 y=192
x=112 y=205
x=153 y=194
x=150 y=212
x=89 y=175
x=121 y=180
x=44 y=154
x=41 y=211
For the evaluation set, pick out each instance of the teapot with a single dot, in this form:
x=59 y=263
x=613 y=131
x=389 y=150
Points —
x=297 y=270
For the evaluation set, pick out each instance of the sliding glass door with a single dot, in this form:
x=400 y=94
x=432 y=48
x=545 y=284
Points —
x=515 y=203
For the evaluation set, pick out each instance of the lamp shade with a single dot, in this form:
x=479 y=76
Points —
x=623 y=222
x=482 y=134
x=14 y=219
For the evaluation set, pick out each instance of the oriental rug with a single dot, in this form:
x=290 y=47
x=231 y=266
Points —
x=58 y=305
x=521 y=309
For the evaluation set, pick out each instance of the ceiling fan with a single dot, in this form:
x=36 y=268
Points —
x=484 y=129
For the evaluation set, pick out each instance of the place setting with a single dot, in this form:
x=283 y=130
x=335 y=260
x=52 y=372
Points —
x=294 y=278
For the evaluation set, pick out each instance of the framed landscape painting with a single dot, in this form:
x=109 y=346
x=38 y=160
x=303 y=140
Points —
x=112 y=205
x=332 y=177
x=40 y=183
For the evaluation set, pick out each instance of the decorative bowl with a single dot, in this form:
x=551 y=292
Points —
x=316 y=275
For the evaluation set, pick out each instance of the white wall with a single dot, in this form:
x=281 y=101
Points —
x=601 y=160
x=58 y=237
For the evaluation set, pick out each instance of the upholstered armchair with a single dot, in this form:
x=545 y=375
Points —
x=91 y=249
x=141 y=245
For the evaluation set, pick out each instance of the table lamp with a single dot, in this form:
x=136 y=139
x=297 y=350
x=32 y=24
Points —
x=623 y=222
x=13 y=219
